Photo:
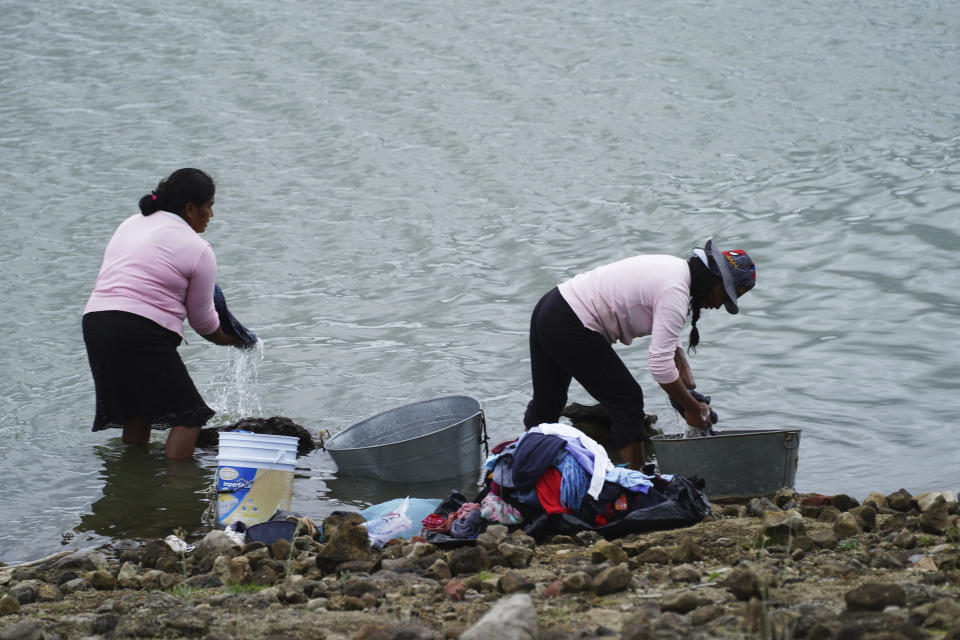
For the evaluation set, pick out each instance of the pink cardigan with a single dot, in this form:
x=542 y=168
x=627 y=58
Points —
x=644 y=295
x=158 y=267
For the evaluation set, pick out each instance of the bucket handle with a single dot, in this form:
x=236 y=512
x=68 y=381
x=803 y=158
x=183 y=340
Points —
x=484 y=439
x=790 y=440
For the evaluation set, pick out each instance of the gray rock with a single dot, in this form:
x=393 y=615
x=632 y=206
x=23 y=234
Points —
x=685 y=573
x=875 y=596
x=683 y=602
x=612 y=579
x=468 y=560
x=520 y=538
x=687 y=551
x=757 y=506
x=515 y=555
x=8 y=605
x=928 y=499
x=744 y=583
x=900 y=500
x=828 y=513
x=513 y=618
x=26 y=592
x=577 y=581
x=102 y=580
x=232 y=570
x=349 y=542
x=604 y=550
x=866 y=517
x=587 y=538
x=846 y=526
x=213 y=544
x=935 y=519
x=26 y=630
x=493 y=536
x=514 y=581
x=843 y=502
x=782 y=526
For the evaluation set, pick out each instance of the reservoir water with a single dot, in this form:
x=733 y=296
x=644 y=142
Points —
x=399 y=183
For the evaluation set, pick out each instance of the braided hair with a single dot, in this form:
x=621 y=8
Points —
x=702 y=280
x=173 y=193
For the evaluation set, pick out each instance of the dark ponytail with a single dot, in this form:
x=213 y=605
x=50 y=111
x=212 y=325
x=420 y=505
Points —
x=702 y=280
x=175 y=192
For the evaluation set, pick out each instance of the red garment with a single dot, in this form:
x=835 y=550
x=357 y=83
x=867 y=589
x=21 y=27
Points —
x=503 y=445
x=548 y=491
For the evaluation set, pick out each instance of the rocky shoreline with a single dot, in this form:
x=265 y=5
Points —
x=789 y=566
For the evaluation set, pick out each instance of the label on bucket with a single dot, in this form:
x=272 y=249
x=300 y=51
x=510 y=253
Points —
x=251 y=495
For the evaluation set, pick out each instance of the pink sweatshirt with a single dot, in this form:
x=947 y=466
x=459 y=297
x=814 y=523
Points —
x=640 y=296
x=158 y=267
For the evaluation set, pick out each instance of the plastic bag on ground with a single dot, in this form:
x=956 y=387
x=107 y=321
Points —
x=399 y=518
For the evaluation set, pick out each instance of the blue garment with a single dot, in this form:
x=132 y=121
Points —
x=535 y=452
x=468 y=527
x=574 y=482
x=228 y=323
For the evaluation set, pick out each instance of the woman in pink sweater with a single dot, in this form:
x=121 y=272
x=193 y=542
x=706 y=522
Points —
x=574 y=325
x=156 y=271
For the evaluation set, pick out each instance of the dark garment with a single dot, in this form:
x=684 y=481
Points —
x=228 y=323
x=561 y=349
x=699 y=397
x=468 y=527
x=535 y=452
x=137 y=373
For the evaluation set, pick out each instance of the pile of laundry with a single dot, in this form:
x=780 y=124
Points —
x=555 y=479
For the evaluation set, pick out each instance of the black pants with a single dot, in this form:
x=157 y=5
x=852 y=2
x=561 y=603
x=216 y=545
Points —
x=561 y=349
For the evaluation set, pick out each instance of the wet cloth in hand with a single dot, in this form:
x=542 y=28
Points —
x=228 y=322
x=699 y=397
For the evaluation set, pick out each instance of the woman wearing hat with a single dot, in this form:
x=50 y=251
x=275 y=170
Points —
x=156 y=271
x=574 y=325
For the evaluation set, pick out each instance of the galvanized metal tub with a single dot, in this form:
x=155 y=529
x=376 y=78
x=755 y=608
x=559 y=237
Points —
x=420 y=442
x=734 y=464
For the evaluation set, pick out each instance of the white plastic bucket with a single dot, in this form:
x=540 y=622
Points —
x=254 y=476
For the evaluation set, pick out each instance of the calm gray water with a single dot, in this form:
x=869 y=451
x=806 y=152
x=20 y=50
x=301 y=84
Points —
x=399 y=182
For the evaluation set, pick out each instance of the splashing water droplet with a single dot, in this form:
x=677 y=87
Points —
x=234 y=390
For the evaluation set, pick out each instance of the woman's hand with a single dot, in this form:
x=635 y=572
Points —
x=699 y=419
x=225 y=339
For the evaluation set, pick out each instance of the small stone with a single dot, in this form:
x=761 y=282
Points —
x=877 y=499
x=468 y=560
x=455 y=590
x=604 y=550
x=743 y=583
x=683 y=602
x=654 y=555
x=515 y=555
x=843 y=502
x=828 y=513
x=554 y=589
x=935 y=519
x=866 y=517
x=846 y=526
x=687 y=551
x=9 y=605
x=757 y=506
x=875 y=596
x=513 y=618
x=514 y=581
x=439 y=570
x=900 y=500
x=929 y=499
x=612 y=579
x=102 y=580
x=577 y=581
x=782 y=526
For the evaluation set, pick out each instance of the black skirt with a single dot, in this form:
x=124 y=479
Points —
x=137 y=373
